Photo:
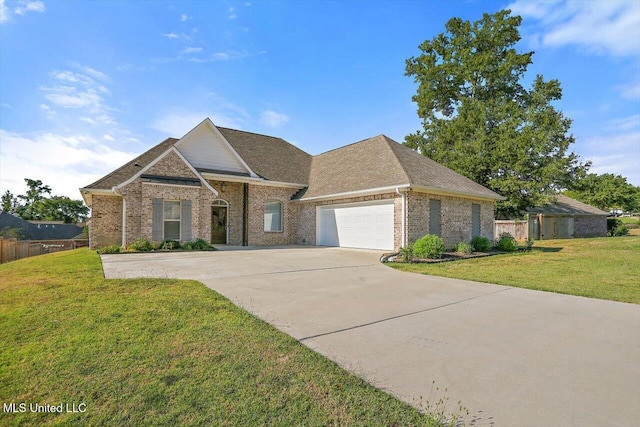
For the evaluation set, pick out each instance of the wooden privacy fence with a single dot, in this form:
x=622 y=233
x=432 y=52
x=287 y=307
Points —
x=519 y=229
x=13 y=249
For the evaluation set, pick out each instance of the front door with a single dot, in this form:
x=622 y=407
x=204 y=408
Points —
x=219 y=224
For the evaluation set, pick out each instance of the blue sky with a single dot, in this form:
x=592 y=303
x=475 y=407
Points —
x=87 y=85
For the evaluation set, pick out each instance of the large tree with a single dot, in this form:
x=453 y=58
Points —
x=38 y=204
x=479 y=120
x=607 y=192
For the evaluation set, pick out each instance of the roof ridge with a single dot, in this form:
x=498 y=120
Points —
x=253 y=133
x=349 y=145
x=390 y=141
x=132 y=161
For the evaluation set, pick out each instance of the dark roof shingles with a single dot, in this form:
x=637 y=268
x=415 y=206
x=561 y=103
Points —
x=382 y=162
x=566 y=205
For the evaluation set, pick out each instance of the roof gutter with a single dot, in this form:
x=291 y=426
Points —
x=443 y=192
x=87 y=192
x=357 y=193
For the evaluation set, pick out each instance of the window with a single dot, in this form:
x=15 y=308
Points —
x=171 y=220
x=475 y=219
x=273 y=216
x=434 y=217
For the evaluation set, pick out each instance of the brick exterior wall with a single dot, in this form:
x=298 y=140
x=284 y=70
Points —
x=306 y=216
x=234 y=197
x=455 y=218
x=590 y=226
x=105 y=226
x=258 y=196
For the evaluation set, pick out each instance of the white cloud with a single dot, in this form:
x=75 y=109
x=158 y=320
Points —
x=188 y=50
x=108 y=137
x=77 y=90
x=29 y=6
x=64 y=162
x=178 y=123
x=184 y=17
x=625 y=124
x=273 y=119
x=606 y=27
x=630 y=91
x=232 y=14
x=625 y=162
x=171 y=35
x=4 y=12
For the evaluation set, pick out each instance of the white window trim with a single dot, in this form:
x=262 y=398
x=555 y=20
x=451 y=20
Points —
x=179 y=220
x=281 y=216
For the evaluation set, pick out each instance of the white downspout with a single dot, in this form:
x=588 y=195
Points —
x=403 y=196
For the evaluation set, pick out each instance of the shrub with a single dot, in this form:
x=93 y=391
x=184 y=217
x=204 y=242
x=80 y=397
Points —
x=528 y=244
x=481 y=244
x=615 y=227
x=406 y=253
x=198 y=245
x=170 y=245
x=113 y=249
x=464 y=248
x=141 y=245
x=507 y=243
x=429 y=246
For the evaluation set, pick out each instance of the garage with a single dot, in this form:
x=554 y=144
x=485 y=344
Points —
x=366 y=226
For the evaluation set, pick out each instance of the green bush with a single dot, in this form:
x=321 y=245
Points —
x=481 y=244
x=198 y=245
x=170 y=245
x=464 y=248
x=113 y=249
x=141 y=245
x=507 y=243
x=615 y=227
x=406 y=253
x=429 y=246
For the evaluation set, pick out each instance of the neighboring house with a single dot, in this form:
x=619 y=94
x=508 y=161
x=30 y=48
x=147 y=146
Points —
x=241 y=188
x=566 y=218
x=38 y=230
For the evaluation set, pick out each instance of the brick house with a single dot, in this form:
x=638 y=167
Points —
x=241 y=188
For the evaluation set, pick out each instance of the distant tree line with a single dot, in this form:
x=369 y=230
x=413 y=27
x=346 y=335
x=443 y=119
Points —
x=38 y=204
x=607 y=192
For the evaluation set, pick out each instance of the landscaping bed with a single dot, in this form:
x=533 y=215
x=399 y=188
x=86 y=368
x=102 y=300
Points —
x=446 y=257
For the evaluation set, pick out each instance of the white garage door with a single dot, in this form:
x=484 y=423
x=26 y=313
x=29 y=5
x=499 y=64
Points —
x=367 y=226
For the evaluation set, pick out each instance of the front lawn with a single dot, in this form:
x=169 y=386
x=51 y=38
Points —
x=162 y=352
x=604 y=268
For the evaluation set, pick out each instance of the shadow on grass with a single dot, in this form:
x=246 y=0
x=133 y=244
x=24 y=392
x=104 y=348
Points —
x=534 y=249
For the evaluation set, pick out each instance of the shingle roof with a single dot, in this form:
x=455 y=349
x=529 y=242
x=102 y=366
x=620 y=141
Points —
x=129 y=169
x=272 y=158
x=567 y=205
x=41 y=231
x=372 y=163
x=381 y=162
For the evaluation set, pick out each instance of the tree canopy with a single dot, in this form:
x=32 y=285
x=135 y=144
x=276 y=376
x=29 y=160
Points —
x=479 y=120
x=606 y=192
x=38 y=204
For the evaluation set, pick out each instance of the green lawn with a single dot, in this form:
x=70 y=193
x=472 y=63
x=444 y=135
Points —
x=604 y=268
x=162 y=352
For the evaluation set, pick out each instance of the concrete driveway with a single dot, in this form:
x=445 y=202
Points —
x=513 y=357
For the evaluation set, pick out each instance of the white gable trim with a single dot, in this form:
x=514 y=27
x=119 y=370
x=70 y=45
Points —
x=156 y=160
x=214 y=129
